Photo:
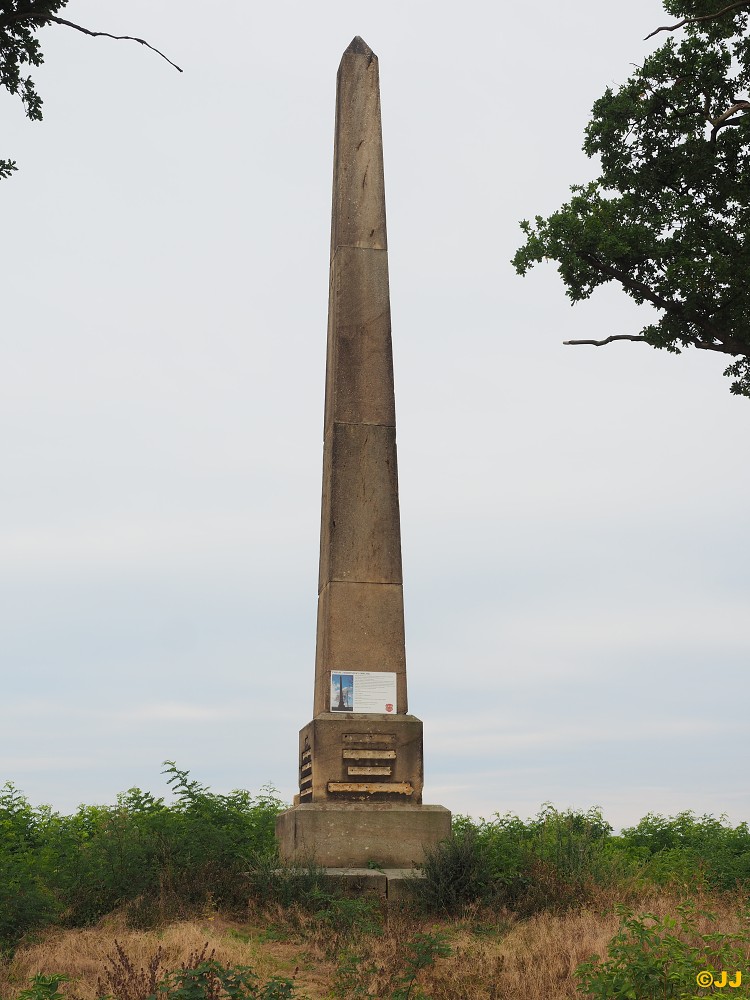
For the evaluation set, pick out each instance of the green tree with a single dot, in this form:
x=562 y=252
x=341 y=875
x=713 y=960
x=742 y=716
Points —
x=20 y=23
x=669 y=216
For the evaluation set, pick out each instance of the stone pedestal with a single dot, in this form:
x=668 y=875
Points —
x=361 y=758
x=352 y=834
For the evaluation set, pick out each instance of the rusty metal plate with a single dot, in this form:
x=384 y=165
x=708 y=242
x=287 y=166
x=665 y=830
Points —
x=371 y=787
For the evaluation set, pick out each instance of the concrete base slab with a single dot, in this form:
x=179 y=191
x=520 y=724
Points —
x=357 y=881
x=390 y=835
x=400 y=882
x=391 y=884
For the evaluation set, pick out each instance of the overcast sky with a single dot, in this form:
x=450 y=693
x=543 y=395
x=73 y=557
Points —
x=573 y=519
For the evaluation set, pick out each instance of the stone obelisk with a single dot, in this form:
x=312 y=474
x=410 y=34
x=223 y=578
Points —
x=360 y=759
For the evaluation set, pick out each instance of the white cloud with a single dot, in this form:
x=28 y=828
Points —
x=570 y=517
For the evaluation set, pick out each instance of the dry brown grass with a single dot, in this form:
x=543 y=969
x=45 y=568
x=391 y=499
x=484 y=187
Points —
x=494 y=955
x=82 y=954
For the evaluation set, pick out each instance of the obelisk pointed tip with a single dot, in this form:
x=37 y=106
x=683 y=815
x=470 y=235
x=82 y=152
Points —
x=359 y=47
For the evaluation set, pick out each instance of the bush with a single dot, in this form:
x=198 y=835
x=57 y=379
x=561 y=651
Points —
x=271 y=881
x=159 y=860
x=121 y=979
x=662 y=959
x=360 y=976
x=455 y=872
x=44 y=988
x=558 y=859
x=162 y=861
x=209 y=980
x=420 y=953
x=685 y=847
x=567 y=858
x=26 y=899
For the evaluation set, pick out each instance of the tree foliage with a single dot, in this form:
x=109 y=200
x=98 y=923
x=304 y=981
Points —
x=20 y=49
x=669 y=216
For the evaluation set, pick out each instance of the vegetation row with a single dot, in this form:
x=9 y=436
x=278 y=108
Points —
x=157 y=862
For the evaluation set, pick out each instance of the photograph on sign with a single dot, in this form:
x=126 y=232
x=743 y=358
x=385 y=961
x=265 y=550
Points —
x=363 y=691
x=342 y=692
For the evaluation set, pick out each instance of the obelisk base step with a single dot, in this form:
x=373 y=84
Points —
x=394 y=885
x=351 y=835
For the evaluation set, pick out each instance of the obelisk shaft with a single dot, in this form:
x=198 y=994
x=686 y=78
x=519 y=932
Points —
x=360 y=595
x=360 y=757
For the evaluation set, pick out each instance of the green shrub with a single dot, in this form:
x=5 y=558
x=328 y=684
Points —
x=660 y=959
x=343 y=921
x=357 y=975
x=270 y=880
x=420 y=953
x=26 y=899
x=209 y=980
x=685 y=847
x=455 y=872
x=557 y=859
x=564 y=858
x=159 y=860
x=44 y=988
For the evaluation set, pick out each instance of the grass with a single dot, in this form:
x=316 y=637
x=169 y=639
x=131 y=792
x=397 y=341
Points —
x=494 y=955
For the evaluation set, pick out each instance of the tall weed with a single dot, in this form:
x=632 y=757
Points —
x=557 y=859
x=159 y=860
x=652 y=958
x=688 y=848
x=456 y=872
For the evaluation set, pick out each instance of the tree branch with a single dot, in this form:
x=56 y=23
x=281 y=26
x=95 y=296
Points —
x=703 y=345
x=42 y=19
x=725 y=345
x=601 y=343
x=669 y=305
x=700 y=344
x=695 y=20
x=106 y=34
x=727 y=119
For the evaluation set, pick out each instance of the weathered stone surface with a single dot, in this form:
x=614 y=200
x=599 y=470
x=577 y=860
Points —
x=358 y=217
x=360 y=774
x=359 y=371
x=360 y=604
x=360 y=536
x=351 y=835
x=400 y=883
x=394 y=885
x=369 y=790
x=360 y=627
x=366 y=771
x=357 y=881
x=331 y=738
